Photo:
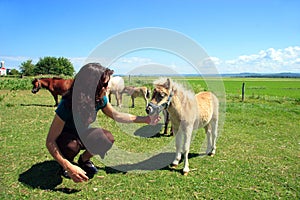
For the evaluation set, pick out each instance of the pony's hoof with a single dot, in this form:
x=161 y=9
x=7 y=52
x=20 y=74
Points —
x=173 y=166
x=185 y=173
x=211 y=154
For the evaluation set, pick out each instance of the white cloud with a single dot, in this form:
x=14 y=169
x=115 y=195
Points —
x=296 y=61
x=14 y=58
x=134 y=60
x=215 y=60
x=265 y=61
x=77 y=62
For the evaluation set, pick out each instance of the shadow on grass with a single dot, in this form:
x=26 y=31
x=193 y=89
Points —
x=35 y=104
x=45 y=176
x=158 y=162
x=150 y=131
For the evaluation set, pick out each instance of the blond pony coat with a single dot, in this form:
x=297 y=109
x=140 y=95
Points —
x=187 y=113
x=137 y=92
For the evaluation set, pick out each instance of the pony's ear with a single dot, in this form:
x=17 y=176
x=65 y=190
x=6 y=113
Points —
x=168 y=84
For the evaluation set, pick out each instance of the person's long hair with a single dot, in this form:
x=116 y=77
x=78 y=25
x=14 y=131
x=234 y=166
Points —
x=84 y=93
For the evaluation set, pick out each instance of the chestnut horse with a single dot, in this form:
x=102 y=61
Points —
x=56 y=86
x=187 y=112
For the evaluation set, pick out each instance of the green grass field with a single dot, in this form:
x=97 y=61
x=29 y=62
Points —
x=257 y=156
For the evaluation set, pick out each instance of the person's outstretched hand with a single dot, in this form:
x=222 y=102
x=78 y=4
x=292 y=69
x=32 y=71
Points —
x=154 y=119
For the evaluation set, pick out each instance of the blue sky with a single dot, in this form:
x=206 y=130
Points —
x=238 y=36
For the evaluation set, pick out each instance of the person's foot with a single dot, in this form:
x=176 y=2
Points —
x=88 y=166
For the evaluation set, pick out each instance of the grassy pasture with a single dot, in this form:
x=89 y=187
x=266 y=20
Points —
x=257 y=156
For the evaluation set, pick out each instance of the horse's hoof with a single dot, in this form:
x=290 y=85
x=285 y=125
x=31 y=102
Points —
x=173 y=166
x=185 y=173
x=211 y=154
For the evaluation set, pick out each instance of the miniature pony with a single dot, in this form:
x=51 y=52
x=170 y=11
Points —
x=137 y=92
x=187 y=112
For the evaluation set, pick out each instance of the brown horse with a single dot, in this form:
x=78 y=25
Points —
x=56 y=86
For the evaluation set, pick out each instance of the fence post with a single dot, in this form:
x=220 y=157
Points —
x=243 y=92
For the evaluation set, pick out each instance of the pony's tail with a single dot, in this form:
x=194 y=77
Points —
x=148 y=94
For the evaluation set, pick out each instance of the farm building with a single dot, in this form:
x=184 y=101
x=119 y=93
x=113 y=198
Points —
x=2 y=69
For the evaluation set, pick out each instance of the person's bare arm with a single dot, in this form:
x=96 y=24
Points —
x=75 y=172
x=128 y=118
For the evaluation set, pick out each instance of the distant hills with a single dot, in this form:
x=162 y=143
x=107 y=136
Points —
x=264 y=75
x=241 y=75
x=252 y=75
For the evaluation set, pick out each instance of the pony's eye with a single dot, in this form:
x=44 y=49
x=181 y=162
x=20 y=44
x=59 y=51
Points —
x=162 y=95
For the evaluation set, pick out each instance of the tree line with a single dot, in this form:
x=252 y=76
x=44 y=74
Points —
x=47 y=65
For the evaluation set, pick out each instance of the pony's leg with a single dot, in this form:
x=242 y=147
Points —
x=186 y=148
x=178 y=149
x=132 y=100
x=145 y=98
x=214 y=132
x=109 y=97
x=117 y=98
x=209 y=148
x=120 y=98
x=166 y=119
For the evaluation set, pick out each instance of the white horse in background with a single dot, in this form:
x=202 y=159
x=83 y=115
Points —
x=187 y=112
x=116 y=86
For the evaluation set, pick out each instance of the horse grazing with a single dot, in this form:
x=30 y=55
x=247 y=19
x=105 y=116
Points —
x=56 y=86
x=116 y=86
x=137 y=92
x=188 y=112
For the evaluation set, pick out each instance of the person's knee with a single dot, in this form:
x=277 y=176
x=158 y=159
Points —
x=109 y=135
x=98 y=141
x=74 y=145
x=68 y=145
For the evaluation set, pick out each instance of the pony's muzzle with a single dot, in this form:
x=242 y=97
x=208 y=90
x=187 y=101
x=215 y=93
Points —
x=35 y=90
x=149 y=110
x=153 y=109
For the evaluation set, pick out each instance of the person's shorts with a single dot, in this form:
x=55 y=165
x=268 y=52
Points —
x=96 y=140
